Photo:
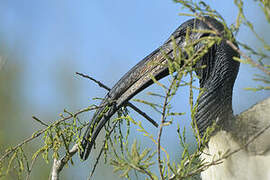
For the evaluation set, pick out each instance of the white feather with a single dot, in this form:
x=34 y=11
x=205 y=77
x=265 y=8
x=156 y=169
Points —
x=250 y=163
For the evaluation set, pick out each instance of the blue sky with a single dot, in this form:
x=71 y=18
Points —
x=100 y=38
x=92 y=36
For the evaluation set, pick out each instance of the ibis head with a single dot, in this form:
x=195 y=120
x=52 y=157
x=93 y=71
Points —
x=216 y=79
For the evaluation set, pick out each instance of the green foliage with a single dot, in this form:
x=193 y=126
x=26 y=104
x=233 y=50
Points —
x=57 y=138
x=134 y=159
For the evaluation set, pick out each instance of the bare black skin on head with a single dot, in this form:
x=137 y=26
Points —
x=217 y=80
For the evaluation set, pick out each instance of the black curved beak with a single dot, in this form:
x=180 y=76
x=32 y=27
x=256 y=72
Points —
x=155 y=66
x=134 y=81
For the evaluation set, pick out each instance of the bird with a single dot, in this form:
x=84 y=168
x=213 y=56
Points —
x=216 y=81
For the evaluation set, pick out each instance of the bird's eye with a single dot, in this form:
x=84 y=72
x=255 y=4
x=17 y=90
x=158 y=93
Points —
x=205 y=35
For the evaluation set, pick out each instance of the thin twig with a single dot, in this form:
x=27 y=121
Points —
x=41 y=122
x=163 y=120
x=142 y=170
x=251 y=61
x=31 y=167
x=160 y=133
x=92 y=79
x=142 y=113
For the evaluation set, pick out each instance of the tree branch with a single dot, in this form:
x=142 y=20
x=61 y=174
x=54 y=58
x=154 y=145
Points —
x=59 y=164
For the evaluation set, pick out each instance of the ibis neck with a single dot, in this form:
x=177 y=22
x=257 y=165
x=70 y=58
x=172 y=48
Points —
x=214 y=106
x=217 y=81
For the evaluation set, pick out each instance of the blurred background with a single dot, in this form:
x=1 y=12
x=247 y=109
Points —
x=43 y=44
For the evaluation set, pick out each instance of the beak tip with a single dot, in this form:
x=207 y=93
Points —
x=84 y=153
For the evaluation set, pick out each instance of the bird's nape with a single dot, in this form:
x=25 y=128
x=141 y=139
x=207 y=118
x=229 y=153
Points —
x=217 y=79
